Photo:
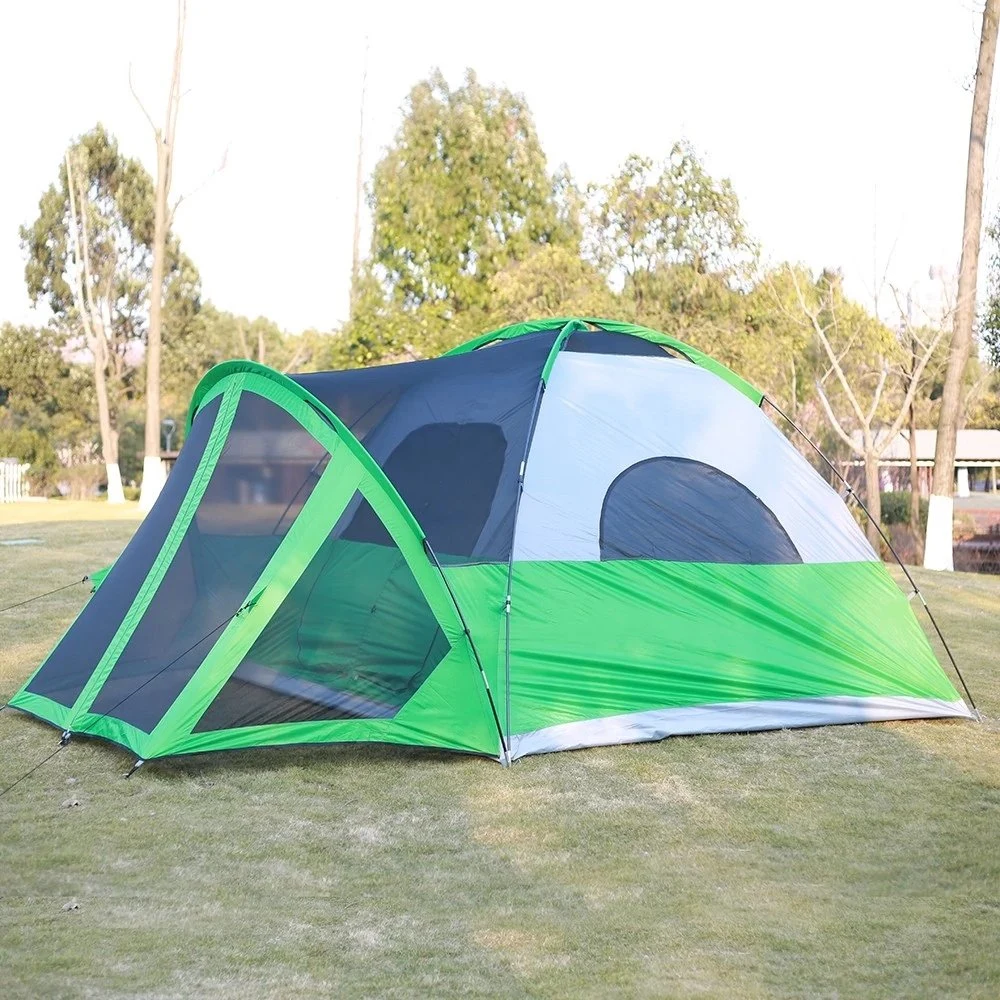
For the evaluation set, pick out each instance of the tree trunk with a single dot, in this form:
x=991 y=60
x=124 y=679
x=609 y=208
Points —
x=359 y=184
x=152 y=465
x=873 y=498
x=90 y=317
x=938 y=550
x=109 y=437
x=153 y=474
x=914 y=486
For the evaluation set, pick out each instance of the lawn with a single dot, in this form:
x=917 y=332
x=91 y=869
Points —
x=854 y=861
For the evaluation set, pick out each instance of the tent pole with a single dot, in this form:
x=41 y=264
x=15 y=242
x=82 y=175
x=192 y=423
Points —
x=878 y=527
x=557 y=345
x=432 y=555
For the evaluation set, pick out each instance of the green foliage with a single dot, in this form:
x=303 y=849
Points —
x=989 y=319
x=46 y=402
x=550 y=281
x=31 y=446
x=896 y=509
x=119 y=212
x=985 y=410
x=120 y=218
x=119 y=215
x=207 y=336
x=462 y=193
x=654 y=216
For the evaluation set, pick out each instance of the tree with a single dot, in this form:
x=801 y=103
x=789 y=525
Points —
x=46 y=403
x=359 y=185
x=88 y=258
x=774 y=350
x=462 y=192
x=652 y=217
x=938 y=550
x=864 y=384
x=550 y=281
x=199 y=339
x=989 y=323
x=152 y=467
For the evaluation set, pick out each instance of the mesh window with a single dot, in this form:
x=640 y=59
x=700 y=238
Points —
x=385 y=404
x=679 y=510
x=447 y=474
x=71 y=663
x=354 y=639
x=266 y=472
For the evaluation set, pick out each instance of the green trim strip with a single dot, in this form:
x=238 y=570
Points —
x=350 y=468
x=40 y=706
x=158 y=570
x=307 y=533
x=613 y=326
x=570 y=328
x=346 y=473
x=213 y=383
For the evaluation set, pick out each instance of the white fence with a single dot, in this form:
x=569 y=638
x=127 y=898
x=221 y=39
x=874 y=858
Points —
x=13 y=481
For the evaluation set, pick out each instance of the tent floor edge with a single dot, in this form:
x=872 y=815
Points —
x=734 y=717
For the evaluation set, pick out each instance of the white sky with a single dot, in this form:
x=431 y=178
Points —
x=828 y=118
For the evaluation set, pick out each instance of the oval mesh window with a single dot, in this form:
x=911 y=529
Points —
x=680 y=510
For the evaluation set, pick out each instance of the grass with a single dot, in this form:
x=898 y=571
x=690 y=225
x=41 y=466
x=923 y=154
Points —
x=856 y=861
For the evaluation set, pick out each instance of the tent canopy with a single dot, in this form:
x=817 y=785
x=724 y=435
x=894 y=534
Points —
x=564 y=533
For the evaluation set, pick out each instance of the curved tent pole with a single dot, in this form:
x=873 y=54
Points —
x=878 y=527
x=226 y=369
x=692 y=354
x=505 y=750
x=569 y=327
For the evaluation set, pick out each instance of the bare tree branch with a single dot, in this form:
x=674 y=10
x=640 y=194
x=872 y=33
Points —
x=142 y=107
x=877 y=394
x=911 y=391
x=242 y=337
x=835 y=423
x=197 y=188
x=820 y=332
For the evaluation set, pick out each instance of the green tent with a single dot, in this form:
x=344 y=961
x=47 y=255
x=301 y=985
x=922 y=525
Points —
x=565 y=533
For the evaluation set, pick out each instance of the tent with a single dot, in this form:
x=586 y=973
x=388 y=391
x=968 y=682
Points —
x=565 y=533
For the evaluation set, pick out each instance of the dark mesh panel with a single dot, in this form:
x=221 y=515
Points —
x=449 y=475
x=354 y=639
x=266 y=472
x=384 y=405
x=604 y=342
x=68 y=669
x=680 y=510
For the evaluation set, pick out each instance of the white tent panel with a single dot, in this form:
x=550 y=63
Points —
x=603 y=413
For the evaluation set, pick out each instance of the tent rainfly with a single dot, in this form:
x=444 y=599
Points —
x=565 y=533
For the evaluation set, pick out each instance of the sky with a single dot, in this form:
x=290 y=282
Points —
x=843 y=127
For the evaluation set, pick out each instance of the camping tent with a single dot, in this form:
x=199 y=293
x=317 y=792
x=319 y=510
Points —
x=565 y=533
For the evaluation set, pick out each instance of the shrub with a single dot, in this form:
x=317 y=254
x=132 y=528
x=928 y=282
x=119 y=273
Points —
x=896 y=509
x=83 y=480
x=32 y=447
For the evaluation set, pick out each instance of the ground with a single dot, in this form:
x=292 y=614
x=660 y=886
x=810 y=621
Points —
x=854 y=861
